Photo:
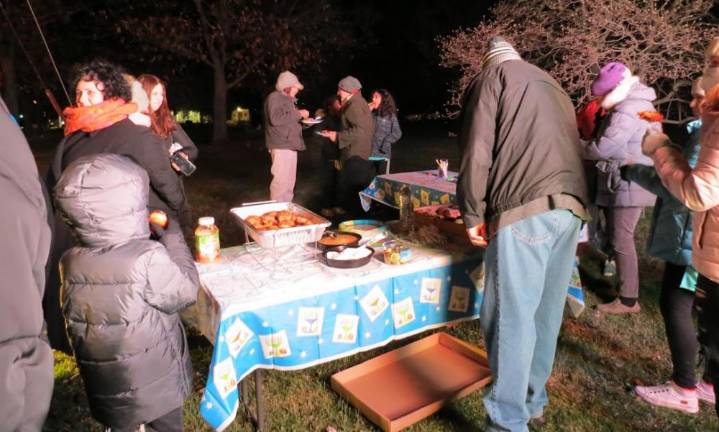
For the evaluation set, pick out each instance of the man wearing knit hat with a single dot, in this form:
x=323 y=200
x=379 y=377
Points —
x=522 y=194
x=283 y=135
x=354 y=140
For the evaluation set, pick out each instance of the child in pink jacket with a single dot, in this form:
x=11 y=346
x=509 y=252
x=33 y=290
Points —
x=698 y=189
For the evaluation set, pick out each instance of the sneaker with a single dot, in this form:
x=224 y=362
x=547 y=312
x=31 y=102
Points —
x=705 y=392
x=616 y=307
x=610 y=268
x=670 y=395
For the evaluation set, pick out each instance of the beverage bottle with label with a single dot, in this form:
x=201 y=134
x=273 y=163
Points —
x=207 y=240
x=405 y=207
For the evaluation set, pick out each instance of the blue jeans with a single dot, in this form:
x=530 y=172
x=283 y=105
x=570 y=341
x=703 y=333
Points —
x=528 y=266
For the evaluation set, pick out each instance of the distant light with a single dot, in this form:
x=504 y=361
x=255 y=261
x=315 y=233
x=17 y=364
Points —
x=34 y=101
x=21 y=116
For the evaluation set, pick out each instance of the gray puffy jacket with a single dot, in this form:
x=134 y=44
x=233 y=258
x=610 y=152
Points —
x=121 y=293
x=619 y=143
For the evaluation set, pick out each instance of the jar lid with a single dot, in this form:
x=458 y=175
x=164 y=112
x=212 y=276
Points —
x=207 y=220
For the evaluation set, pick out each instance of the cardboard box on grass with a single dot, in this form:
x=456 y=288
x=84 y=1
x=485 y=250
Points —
x=406 y=385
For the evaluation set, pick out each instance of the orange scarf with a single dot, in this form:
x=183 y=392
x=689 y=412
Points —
x=96 y=117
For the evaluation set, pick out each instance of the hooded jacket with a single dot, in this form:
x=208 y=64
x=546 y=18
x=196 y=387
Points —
x=26 y=374
x=125 y=138
x=697 y=189
x=670 y=234
x=619 y=142
x=121 y=294
x=282 y=123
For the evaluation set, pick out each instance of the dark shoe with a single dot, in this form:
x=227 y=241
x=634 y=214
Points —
x=616 y=307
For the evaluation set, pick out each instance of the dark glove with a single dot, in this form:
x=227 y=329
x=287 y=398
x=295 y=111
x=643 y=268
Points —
x=624 y=172
x=157 y=231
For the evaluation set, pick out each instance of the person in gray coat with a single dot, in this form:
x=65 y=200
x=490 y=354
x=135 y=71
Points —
x=618 y=143
x=26 y=375
x=283 y=135
x=522 y=194
x=121 y=295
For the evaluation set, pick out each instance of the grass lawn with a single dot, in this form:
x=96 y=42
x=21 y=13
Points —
x=599 y=359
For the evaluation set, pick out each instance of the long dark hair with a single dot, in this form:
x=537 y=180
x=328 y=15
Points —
x=388 y=106
x=109 y=74
x=160 y=120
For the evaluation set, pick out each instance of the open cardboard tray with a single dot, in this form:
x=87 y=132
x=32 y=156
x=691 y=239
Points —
x=404 y=386
x=284 y=236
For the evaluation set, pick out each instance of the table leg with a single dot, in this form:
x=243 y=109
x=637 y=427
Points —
x=259 y=402
x=244 y=392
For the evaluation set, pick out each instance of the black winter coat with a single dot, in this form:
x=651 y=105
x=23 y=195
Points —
x=125 y=138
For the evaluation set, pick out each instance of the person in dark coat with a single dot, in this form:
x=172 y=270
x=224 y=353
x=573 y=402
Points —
x=329 y=155
x=26 y=372
x=174 y=138
x=386 y=128
x=522 y=194
x=354 y=140
x=283 y=135
x=121 y=296
x=100 y=124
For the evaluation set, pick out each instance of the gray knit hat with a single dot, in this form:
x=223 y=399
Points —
x=288 y=79
x=499 y=51
x=349 y=84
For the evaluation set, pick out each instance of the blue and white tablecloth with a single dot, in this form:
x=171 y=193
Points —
x=284 y=310
x=425 y=186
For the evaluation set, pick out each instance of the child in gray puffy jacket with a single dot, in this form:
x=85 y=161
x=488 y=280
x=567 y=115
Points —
x=121 y=293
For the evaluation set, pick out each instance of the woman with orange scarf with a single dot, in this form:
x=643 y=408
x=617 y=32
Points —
x=100 y=123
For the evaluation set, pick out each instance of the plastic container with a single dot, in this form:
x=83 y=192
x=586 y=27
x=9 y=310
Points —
x=283 y=237
x=396 y=253
x=207 y=240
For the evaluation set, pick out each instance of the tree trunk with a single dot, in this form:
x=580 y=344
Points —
x=219 y=118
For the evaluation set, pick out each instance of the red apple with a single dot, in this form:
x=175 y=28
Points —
x=159 y=217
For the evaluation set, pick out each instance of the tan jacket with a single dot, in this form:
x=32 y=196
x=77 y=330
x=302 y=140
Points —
x=698 y=189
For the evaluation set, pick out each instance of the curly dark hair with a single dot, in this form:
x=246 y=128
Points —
x=109 y=74
x=388 y=106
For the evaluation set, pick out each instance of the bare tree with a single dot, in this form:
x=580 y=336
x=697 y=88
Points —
x=241 y=39
x=661 y=41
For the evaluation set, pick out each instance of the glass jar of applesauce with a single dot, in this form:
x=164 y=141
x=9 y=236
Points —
x=207 y=240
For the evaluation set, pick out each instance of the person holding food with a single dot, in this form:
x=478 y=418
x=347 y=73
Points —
x=698 y=189
x=100 y=122
x=121 y=296
x=619 y=143
x=670 y=239
x=523 y=196
x=386 y=131
x=283 y=135
x=354 y=140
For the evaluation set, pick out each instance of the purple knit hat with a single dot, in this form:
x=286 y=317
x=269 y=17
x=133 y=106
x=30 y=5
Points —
x=609 y=77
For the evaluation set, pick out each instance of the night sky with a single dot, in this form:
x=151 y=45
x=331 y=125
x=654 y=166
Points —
x=397 y=51
x=403 y=57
